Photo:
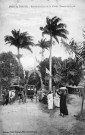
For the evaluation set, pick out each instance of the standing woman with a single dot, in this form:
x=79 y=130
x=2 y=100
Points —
x=63 y=105
x=57 y=99
x=50 y=100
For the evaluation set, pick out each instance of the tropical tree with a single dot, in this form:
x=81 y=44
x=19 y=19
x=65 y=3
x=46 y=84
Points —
x=54 y=28
x=43 y=44
x=19 y=40
x=42 y=68
x=83 y=48
x=71 y=72
x=78 y=49
x=73 y=48
x=8 y=69
x=83 y=62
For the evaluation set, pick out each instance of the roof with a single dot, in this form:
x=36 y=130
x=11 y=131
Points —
x=62 y=88
x=17 y=86
x=30 y=85
x=75 y=87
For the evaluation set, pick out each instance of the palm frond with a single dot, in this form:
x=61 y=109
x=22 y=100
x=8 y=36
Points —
x=41 y=28
x=48 y=21
x=62 y=35
x=67 y=46
x=18 y=39
x=55 y=20
x=64 y=31
x=27 y=47
x=43 y=44
x=15 y=33
x=10 y=40
x=54 y=28
x=45 y=33
x=56 y=39
x=61 y=25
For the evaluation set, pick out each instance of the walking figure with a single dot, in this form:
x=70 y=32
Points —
x=63 y=106
x=21 y=96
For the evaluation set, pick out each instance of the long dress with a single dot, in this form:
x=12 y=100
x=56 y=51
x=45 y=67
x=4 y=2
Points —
x=57 y=100
x=63 y=106
x=50 y=101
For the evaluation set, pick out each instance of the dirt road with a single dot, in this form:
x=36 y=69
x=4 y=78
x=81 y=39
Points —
x=34 y=118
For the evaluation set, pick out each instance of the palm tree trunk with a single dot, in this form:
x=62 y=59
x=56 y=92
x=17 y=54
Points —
x=50 y=65
x=18 y=67
x=82 y=106
x=81 y=113
x=42 y=56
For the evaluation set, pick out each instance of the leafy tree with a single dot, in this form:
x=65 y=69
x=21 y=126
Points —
x=82 y=55
x=82 y=49
x=42 y=68
x=56 y=70
x=71 y=72
x=20 y=40
x=8 y=68
x=55 y=29
x=63 y=72
x=73 y=48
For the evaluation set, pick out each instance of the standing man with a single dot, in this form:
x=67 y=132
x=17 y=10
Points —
x=7 y=97
x=25 y=92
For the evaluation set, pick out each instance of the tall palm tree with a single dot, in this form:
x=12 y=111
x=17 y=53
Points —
x=73 y=48
x=43 y=44
x=54 y=29
x=19 y=40
x=83 y=47
x=79 y=51
x=83 y=63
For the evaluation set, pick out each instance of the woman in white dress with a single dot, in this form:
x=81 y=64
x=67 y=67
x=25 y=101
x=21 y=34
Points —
x=57 y=100
x=50 y=100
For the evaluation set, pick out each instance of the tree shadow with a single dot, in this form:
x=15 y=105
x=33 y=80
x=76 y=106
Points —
x=44 y=108
x=80 y=117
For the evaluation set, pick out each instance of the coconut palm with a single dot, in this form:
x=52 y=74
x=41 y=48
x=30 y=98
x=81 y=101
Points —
x=43 y=44
x=83 y=63
x=79 y=50
x=73 y=48
x=19 y=40
x=83 y=48
x=54 y=29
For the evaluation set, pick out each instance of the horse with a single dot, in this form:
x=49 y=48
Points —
x=11 y=96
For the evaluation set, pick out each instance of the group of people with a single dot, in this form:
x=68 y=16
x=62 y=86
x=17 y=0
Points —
x=58 y=98
x=55 y=98
x=9 y=96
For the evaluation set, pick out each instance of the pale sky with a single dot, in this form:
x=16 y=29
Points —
x=30 y=15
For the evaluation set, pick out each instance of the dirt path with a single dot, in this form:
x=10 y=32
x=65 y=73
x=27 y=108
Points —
x=33 y=118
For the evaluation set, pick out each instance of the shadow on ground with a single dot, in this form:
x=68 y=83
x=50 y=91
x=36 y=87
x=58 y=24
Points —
x=44 y=108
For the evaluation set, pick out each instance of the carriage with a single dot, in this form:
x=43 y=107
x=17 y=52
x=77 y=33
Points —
x=30 y=91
